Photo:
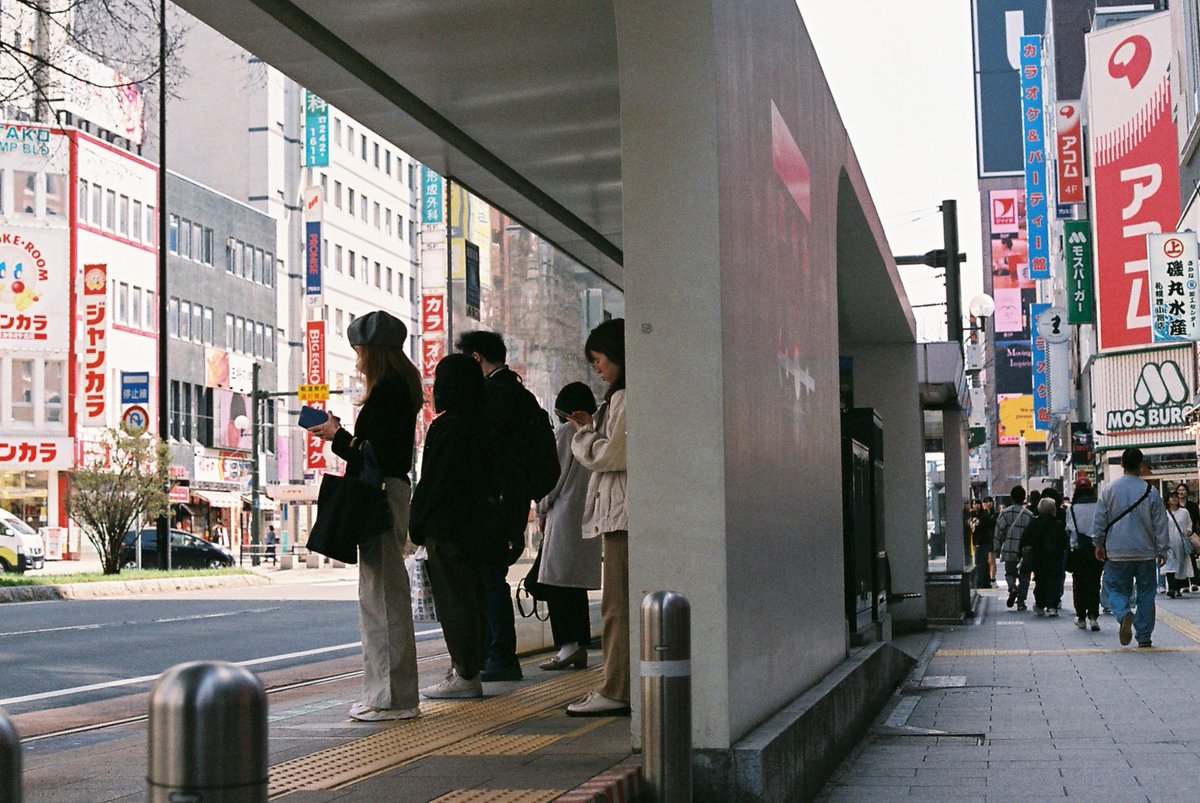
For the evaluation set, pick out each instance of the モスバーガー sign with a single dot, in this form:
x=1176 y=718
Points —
x=1141 y=397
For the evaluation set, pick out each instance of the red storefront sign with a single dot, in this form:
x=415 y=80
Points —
x=433 y=313
x=36 y=454
x=95 y=343
x=1135 y=173
x=1070 y=153
x=314 y=374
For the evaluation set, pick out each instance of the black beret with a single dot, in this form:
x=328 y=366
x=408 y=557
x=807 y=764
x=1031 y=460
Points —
x=377 y=329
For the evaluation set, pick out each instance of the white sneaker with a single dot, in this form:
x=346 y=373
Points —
x=1052 y=611
x=368 y=713
x=596 y=704
x=1080 y=623
x=1095 y=624
x=454 y=688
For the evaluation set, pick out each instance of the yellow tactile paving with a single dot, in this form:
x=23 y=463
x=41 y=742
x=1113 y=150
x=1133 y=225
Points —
x=509 y=744
x=1079 y=651
x=1177 y=623
x=499 y=796
x=443 y=724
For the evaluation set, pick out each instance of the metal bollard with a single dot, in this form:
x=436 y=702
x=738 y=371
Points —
x=666 y=698
x=10 y=760
x=208 y=735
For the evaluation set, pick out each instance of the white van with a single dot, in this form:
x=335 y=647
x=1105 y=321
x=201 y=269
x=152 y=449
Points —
x=20 y=546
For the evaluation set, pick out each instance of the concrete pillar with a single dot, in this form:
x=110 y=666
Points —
x=954 y=442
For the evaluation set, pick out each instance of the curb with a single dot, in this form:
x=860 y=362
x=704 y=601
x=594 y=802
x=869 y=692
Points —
x=621 y=784
x=125 y=588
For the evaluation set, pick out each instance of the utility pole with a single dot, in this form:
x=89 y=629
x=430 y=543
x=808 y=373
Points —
x=255 y=514
x=937 y=259
x=163 y=525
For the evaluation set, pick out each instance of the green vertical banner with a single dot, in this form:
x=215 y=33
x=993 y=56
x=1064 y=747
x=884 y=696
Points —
x=1081 y=280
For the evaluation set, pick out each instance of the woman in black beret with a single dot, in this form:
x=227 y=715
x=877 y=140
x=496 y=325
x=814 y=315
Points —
x=387 y=421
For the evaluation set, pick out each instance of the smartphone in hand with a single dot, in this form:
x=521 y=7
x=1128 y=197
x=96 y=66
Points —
x=312 y=417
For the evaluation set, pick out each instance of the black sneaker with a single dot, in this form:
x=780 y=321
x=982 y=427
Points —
x=501 y=674
x=1144 y=645
x=1012 y=599
x=1021 y=606
x=1125 y=634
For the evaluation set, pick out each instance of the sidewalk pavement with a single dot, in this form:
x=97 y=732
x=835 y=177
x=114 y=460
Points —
x=1015 y=707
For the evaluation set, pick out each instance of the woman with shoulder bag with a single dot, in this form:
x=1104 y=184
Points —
x=1085 y=569
x=1178 y=567
x=568 y=563
x=387 y=420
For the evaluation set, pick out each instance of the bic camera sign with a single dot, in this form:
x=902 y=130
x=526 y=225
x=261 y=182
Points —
x=1160 y=398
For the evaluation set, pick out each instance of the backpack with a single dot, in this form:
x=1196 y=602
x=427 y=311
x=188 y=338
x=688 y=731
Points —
x=538 y=456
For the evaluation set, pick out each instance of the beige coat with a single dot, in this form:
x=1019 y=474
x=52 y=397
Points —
x=568 y=559
x=600 y=447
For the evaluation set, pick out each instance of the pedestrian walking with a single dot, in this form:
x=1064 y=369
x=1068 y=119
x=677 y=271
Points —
x=982 y=533
x=599 y=444
x=569 y=563
x=1178 y=567
x=1085 y=569
x=1010 y=526
x=448 y=506
x=1186 y=502
x=387 y=420
x=1043 y=547
x=271 y=540
x=1130 y=532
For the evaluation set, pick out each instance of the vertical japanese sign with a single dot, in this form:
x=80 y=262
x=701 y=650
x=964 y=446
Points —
x=1077 y=250
x=432 y=196
x=1036 y=203
x=1173 y=283
x=95 y=344
x=316 y=131
x=1069 y=141
x=1041 y=388
x=1135 y=168
x=471 y=253
x=313 y=212
x=433 y=343
x=314 y=374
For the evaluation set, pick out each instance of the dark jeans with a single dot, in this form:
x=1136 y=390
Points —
x=458 y=594
x=569 y=619
x=1085 y=588
x=502 y=628
x=983 y=573
x=1017 y=579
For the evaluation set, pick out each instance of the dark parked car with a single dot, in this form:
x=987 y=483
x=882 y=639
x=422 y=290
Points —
x=187 y=551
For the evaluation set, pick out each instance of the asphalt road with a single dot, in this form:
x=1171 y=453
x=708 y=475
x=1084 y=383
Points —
x=66 y=653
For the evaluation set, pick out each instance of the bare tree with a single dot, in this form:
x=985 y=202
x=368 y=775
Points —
x=109 y=497
x=47 y=46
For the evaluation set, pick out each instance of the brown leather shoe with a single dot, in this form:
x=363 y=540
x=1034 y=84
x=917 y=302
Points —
x=577 y=659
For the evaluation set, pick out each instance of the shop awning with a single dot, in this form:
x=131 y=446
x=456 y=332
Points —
x=264 y=502
x=227 y=499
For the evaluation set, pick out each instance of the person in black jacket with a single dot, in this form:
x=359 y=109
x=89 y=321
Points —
x=447 y=506
x=509 y=500
x=1044 y=546
x=387 y=421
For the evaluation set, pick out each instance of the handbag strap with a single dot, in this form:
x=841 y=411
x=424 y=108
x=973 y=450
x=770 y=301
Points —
x=1128 y=510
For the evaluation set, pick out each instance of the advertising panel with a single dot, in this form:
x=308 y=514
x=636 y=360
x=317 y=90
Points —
x=433 y=313
x=1140 y=398
x=313 y=212
x=316 y=131
x=1173 y=283
x=997 y=27
x=1014 y=366
x=314 y=374
x=1010 y=248
x=1069 y=141
x=1059 y=388
x=36 y=453
x=1037 y=202
x=95 y=345
x=1135 y=172
x=1082 y=454
x=433 y=202
x=93 y=91
x=35 y=288
x=1015 y=417
x=470 y=221
x=1077 y=251
x=1041 y=390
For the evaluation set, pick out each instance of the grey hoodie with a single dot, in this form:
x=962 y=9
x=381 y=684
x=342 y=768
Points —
x=1139 y=535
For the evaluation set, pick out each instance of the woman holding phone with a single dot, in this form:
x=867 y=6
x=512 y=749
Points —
x=599 y=445
x=387 y=420
x=570 y=563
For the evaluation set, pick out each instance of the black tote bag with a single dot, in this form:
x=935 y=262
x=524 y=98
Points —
x=349 y=512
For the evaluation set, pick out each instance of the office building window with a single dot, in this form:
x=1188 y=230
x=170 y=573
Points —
x=412 y=232
x=185 y=320
x=400 y=226
x=337 y=258
x=229 y=324
x=364 y=147
x=204 y=415
x=400 y=288
x=22 y=391
x=269 y=268
x=110 y=209
x=256 y=265
x=412 y=176
x=337 y=131
x=208 y=326
x=173 y=410
x=412 y=288
x=53 y=382
x=173 y=234
x=378 y=275
x=197 y=322
x=123 y=216
x=353 y=263
x=376 y=155
x=389 y=280
x=375 y=221
x=350 y=207
x=337 y=319
x=387 y=161
x=151 y=226
x=122 y=302
x=185 y=238
x=135 y=222
x=206 y=246
x=186 y=413
x=387 y=222
x=96 y=211
x=151 y=312
x=83 y=201
x=259 y=340
x=56 y=195
x=362 y=211
x=197 y=242
x=173 y=317
x=270 y=344
x=350 y=138
x=366 y=277
x=25 y=192
x=337 y=194
x=135 y=308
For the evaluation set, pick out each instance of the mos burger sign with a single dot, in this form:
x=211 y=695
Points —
x=1142 y=397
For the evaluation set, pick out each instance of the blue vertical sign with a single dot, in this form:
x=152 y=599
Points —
x=1036 y=203
x=471 y=251
x=312 y=258
x=1041 y=382
x=432 y=200
x=316 y=131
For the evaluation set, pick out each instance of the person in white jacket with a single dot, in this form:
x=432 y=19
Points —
x=599 y=445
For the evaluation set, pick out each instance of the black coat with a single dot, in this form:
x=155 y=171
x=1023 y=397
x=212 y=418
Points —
x=388 y=420
x=505 y=402
x=1047 y=539
x=448 y=501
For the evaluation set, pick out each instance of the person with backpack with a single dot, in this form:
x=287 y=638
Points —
x=599 y=444
x=522 y=466
x=1130 y=532
x=1010 y=526
x=1085 y=569
x=1044 y=547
